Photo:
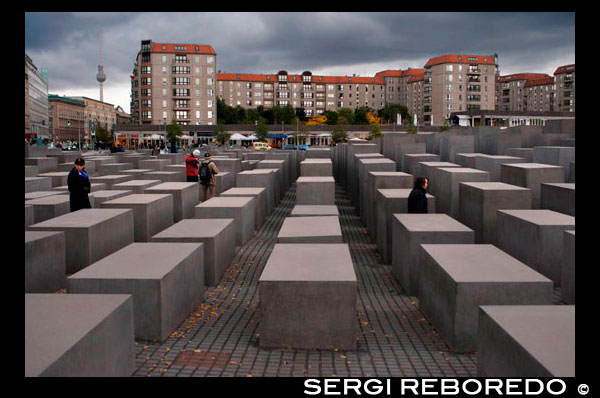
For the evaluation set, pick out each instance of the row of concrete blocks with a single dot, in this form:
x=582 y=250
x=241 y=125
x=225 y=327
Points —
x=153 y=321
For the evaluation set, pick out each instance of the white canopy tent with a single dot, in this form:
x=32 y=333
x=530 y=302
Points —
x=237 y=137
x=252 y=138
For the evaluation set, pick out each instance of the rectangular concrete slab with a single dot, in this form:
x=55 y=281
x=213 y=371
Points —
x=409 y=231
x=136 y=186
x=166 y=281
x=218 y=235
x=151 y=212
x=314 y=210
x=111 y=179
x=307 y=297
x=447 y=188
x=558 y=197
x=535 y=237
x=240 y=208
x=100 y=197
x=454 y=282
x=567 y=270
x=315 y=191
x=83 y=335
x=531 y=175
x=316 y=168
x=91 y=234
x=185 y=197
x=260 y=194
x=492 y=163
x=45 y=261
x=526 y=341
x=48 y=207
x=316 y=229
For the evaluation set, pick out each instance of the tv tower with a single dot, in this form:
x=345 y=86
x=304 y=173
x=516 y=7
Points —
x=101 y=76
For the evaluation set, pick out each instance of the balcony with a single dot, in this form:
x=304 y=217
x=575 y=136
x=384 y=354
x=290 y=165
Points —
x=473 y=71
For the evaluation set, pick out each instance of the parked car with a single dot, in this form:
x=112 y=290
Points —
x=303 y=147
x=261 y=146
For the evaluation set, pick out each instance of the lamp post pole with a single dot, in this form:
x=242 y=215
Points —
x=79 y=132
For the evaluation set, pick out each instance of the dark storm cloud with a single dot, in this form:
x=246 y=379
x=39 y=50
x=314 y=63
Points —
x=67 y=44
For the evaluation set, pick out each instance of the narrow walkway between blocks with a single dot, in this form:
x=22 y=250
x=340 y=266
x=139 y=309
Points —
x=220 y=338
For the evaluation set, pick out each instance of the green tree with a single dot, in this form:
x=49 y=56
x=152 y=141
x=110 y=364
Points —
x=103 y=135
x=174 y=130
x=332 y=118
x=221 y=134
x=283 y=114
x=389 y=112
x=261 y=130
x=346 y=116
x=360 y=116
x=375 y=132
x=411 y=128
x=339 y=134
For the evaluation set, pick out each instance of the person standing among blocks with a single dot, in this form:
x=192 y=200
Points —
x=207 y=171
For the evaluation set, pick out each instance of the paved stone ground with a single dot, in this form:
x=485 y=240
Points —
x=220 y=338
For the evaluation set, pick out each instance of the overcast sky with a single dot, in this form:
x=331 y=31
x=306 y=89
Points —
x=330 y=44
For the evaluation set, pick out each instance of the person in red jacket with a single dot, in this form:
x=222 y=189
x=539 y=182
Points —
x=191 y=166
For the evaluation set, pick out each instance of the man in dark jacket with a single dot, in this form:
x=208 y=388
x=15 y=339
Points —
x=79 y=186
x=417 y=200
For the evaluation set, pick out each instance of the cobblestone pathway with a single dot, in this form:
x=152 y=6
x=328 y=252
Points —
x=220 y=338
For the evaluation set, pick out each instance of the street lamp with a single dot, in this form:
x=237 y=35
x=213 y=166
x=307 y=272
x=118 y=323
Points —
x=79 y=132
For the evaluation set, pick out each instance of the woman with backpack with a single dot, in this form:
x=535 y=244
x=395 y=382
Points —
x=206 y=173
x=191 y=166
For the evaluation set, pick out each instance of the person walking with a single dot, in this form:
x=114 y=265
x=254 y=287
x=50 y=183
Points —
x=191 y=166
x=417 y=199
x=208 y=170
x=79 y=186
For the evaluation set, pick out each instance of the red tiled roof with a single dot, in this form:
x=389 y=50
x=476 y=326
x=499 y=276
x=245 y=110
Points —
x=298 y=78
x=540 y=82
x=190 y=48
x=416 y=78
x=522 y=76
x=399 y=73
x=565 y=69
x=464 y=59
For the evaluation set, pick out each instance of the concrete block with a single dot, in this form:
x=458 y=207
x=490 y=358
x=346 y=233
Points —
x=525 y=153
x=154 y=164
x=466 y=159
x=180 y=168
x=241 y=209
x=223 y=181
x=32 y=151
x=447 y=188
x=59 y=178
x=134 y=159
x=136 y=186
x=428 y=170
x=111 y=179
x=287 y=157
x=113 y=168
x=555 y=155
x=315 y=191
x=174 y=158
x=90 y=234
x=363 y=197
x=571 y=173
x=348 y=170
x=387 y=203
x=558 y=197
x=454 y=282
x=314 y=210
x=49 y=207
x=135 y=173
x=33 y=184
x=494 y=141
x=282 y=174
x=100 y=197
x=316 y=167
x=451 y=144
x=43 y=194
x=185 y=197
x=31 y=171
x=307 y=297
x=258 y=179
x=567 y=274
x=409 y=231
x=381 y=180
x=151 y=213
x=412 y=160
x=45 y=261
x=260 y=194
x=166 y=281
x=83 y=335
x=310 y=229
x=531 y=175
x=164 y=176
x=28 y=215
x=534 y=237
x=479 y=202
x=218 y=235
x=94 y=187
x=318 y=153
x=65 y=156
x=404 y=149
x=492 y=163
x=526 y=341
x=229 y=165
x=43 y=164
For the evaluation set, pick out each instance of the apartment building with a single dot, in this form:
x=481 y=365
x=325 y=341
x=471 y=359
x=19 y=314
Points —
x=396 y=84
x=316 y=94
x=455 y=83
x=511 y=90
x=67 y=118
x=539 y=95
x=415 y=96
x=564 y=82
x=36 y=109
x=97 y=113
x=174 y=82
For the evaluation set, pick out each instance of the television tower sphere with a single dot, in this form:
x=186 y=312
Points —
x=101 y=76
